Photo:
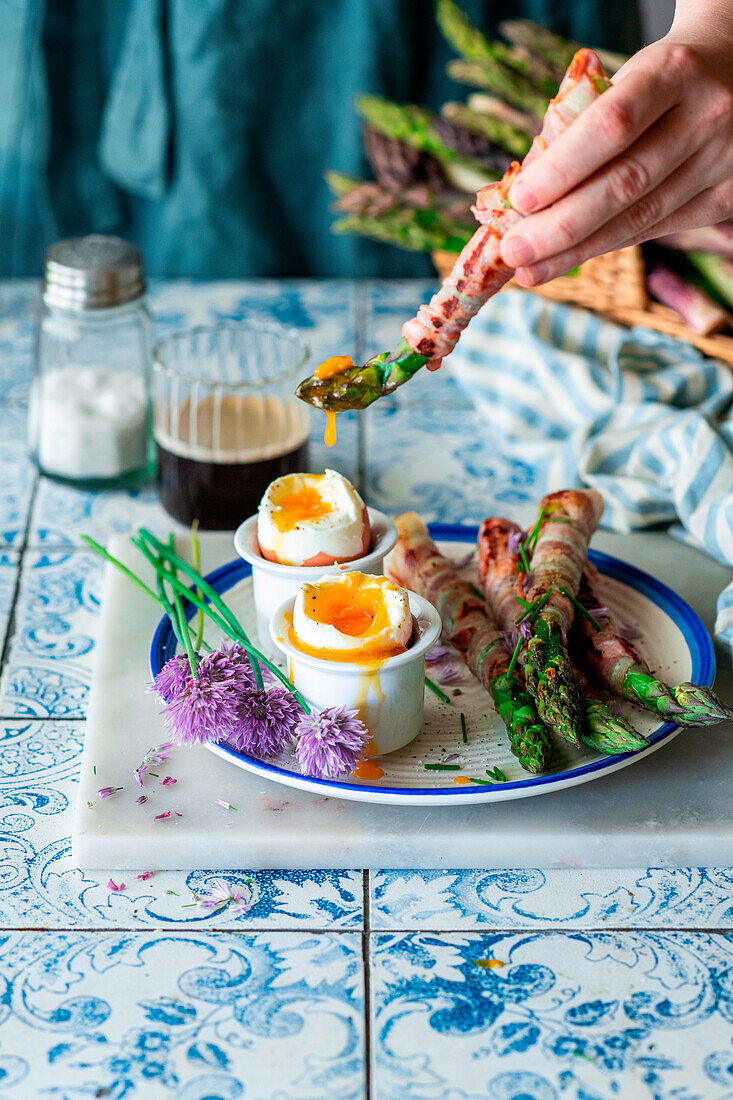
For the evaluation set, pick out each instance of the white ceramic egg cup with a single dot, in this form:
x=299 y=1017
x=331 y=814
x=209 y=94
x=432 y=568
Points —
x=389 y=695
x=273 y=583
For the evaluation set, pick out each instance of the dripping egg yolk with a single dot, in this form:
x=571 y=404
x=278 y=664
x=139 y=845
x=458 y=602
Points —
x=351 y=617
x=312 y=519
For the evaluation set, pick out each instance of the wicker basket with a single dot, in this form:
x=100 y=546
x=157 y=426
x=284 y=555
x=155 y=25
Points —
x=614 y=286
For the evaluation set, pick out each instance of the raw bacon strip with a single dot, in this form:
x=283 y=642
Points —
x=417 y=563
x=561 y=550
x=479 y=272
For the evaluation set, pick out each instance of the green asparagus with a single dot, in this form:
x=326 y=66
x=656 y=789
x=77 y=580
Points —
x=718 y=271
x=515 y=140
x=551 y=681
x=608 y=732
x=555 y=50
x=700 y=706
x=359 y=386
x=496 y=77
x=527 y=736
x=473 y=45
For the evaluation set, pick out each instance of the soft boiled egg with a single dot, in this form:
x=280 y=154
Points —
x=351 y=616
x=312 y=519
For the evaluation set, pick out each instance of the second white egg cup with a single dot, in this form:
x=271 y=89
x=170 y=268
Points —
x=388 y=695
x=273 y=583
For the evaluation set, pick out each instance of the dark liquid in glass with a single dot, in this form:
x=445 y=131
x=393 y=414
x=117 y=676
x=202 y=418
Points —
x=216 y=456
x=220 y=494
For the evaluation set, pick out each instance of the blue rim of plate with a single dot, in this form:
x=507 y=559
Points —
x=696 y=636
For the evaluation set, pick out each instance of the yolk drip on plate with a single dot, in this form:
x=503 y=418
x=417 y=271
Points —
x=334 y=365
x=298 y=506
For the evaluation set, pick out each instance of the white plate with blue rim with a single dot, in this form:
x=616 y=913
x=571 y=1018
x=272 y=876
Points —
x=670 y=635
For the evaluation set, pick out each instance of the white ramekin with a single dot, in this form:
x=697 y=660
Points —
x=389 y=697
x=273 y=583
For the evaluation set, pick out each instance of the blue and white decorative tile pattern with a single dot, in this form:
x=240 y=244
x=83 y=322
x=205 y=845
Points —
x=191 y=1016
x=653 y=897
x=48 y=671
x=160 y=996
x=588 y=1016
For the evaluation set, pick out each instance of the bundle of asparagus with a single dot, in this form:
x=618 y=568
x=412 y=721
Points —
x=470 y=143
x=540 y=595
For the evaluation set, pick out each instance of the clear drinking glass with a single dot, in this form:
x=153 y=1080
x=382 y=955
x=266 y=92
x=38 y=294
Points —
x=226 y=419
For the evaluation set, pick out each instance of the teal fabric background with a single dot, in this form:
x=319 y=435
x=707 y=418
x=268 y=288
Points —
x=201 y=128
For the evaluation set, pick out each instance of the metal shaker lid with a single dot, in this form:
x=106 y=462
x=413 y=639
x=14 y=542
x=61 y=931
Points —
x=94 y=272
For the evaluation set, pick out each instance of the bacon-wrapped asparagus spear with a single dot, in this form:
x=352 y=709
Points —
x=416 y=563
x=503 y=581
x=478 y=273
x=616 y=662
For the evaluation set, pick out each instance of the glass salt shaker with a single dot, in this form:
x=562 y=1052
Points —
x=89 y=419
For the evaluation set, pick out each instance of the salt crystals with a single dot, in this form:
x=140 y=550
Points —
x=89 y=422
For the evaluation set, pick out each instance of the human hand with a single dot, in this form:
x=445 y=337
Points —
x=653 y=155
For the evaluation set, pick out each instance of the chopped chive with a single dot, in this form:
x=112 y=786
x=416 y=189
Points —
x=523 y=556
x=442 y=767
x=497 y=774
x=436 y=690
x=524 y=603
x=515 y=656
x=464 y=732
x=582 y=610
x=535 y=532
x=477 y=592
x=95 y=768
x=535 y=607
x=483 y=782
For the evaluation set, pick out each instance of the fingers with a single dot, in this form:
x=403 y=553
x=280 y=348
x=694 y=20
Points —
x=599 y=135
x=713 y=204
x=606 y=194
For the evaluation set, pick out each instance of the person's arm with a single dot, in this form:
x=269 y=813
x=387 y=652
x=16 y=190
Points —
x=653 y=155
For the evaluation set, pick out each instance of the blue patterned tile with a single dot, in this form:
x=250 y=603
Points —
x=654 y=897
x=193 y=1016
x=48 y=671
x=62 y=513
x=439 y=462
x=544 y=1017
x=40 y=885
x=8 y=577
x=17 y=475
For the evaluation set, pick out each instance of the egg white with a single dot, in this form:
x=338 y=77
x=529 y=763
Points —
x=328 y=638
x=340 y=536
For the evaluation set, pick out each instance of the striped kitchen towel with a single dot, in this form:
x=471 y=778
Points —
x=643 y=418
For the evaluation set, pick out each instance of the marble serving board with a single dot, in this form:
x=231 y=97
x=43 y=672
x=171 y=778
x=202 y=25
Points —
x=672 y=809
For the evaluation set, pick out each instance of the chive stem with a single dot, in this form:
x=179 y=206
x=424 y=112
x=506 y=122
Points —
x=464 y=732
x=436 y=690
x=442 y=767
x=196 y=558
x=477 y=592
x=582 y=609
x=122 y=568
x=515 y=656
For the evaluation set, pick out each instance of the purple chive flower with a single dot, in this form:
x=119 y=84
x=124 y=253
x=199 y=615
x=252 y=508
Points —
x=526 y=583
x=628 y=630
x=510 y=639
x=266 y=721
x=461 y=563
x=525 y=629
x=207 y=710
x=142 y=800
x=114 y=888
x=513 y=540
x=105 y=792
x=164 y=816
x=168 y=781
x=156 y=755
x=221 y=897
x=438 y=653
x=329 y=744
x=173 y=678
x=450 y=674
x=145 y=875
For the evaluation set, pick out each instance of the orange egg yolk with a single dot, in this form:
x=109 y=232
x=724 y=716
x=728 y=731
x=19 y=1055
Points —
x=356 y=610
x=334 y=365
x=303 y=505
